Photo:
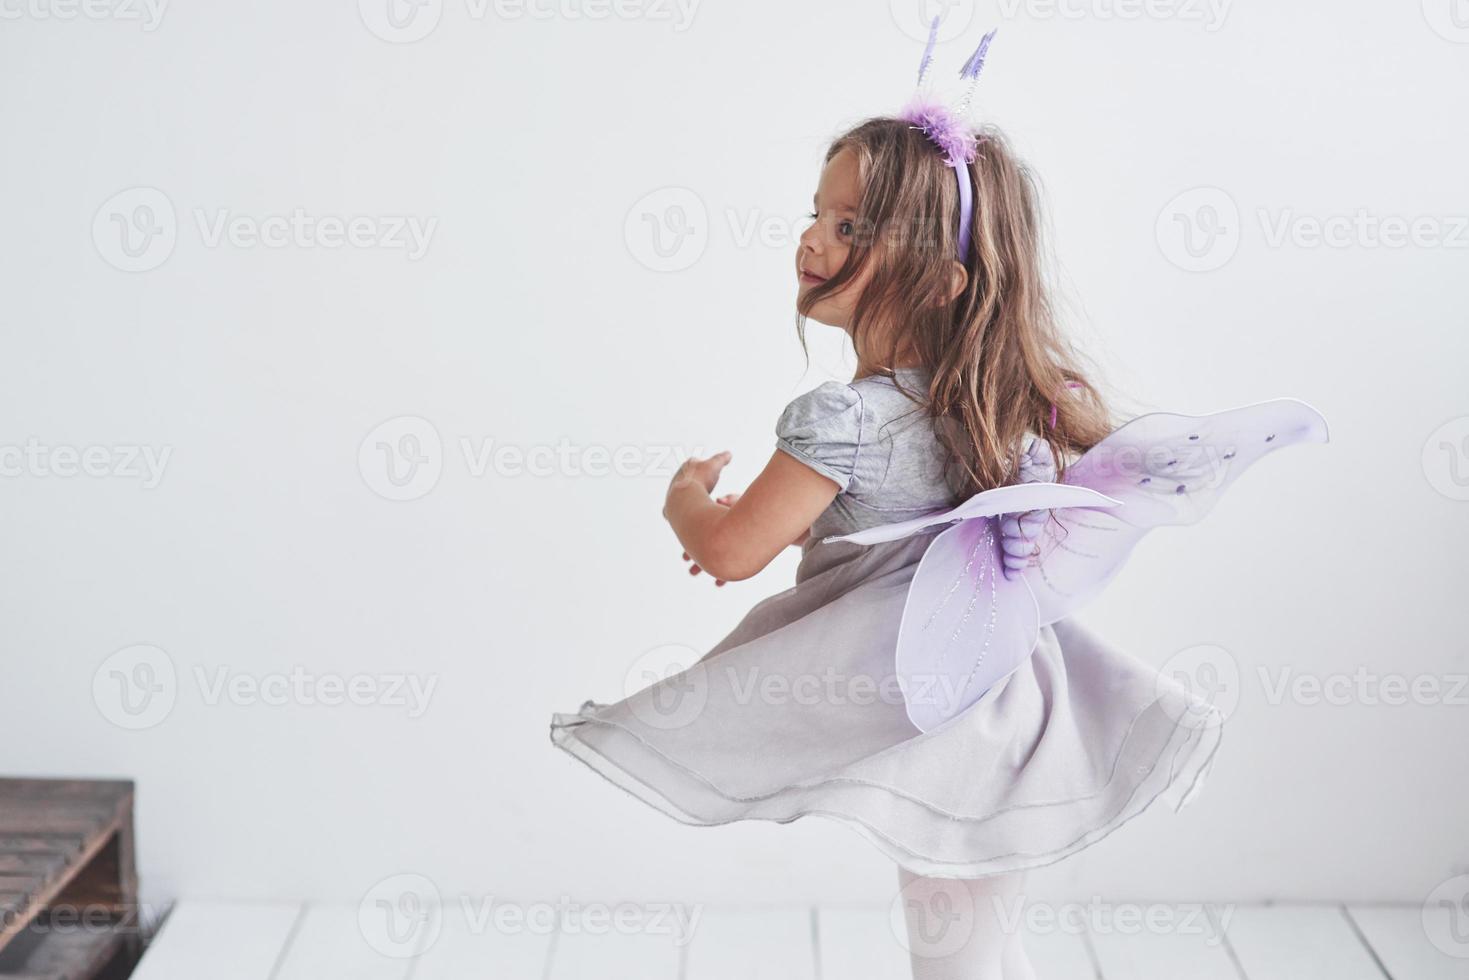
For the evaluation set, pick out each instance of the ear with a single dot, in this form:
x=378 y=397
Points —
x=958 y=279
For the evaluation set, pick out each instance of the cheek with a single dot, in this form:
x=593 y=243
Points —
x=854 y=289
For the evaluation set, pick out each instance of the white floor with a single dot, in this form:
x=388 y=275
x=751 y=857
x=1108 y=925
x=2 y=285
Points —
x=252 y=941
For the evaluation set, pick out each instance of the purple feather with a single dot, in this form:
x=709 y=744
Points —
x=975 y=64
x=947 y=131
x=923 y=66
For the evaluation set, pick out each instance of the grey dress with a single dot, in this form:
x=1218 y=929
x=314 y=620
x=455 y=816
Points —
x=797 y=711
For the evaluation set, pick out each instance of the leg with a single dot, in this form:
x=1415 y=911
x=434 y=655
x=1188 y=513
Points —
x=1015 y=964
x=965 y=929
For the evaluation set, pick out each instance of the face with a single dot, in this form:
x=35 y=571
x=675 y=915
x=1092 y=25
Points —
x=824 y=246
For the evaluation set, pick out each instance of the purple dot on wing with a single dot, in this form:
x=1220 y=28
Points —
x=1180 y=488
x=1229 y=455
x=1193 y=438
x=1270 y=438
x=1146 y=479
x=1173 y=462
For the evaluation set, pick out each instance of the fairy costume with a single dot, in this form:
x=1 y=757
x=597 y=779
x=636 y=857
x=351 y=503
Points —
x=952 y=716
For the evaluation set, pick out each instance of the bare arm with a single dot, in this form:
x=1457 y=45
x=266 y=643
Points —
x=736 y=542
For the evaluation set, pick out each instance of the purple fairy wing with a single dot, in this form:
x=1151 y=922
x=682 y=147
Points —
x=964 y=625
x=1165 y=469
x=990 y=503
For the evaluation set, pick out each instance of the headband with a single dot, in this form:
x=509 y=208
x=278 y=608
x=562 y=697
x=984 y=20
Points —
x=949 y=128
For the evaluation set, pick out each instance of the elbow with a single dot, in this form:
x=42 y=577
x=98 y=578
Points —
x=730 y=559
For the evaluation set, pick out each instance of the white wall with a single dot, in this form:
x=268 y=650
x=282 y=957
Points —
x=530 y=320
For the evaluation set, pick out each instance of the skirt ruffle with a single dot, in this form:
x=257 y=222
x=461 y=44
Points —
x=797 y=713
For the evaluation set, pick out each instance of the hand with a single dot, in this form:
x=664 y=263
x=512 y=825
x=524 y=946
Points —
x=1019 y=532
x=728 y=500
x=701 y=473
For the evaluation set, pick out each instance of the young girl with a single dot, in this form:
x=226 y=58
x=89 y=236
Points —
x=963 y=384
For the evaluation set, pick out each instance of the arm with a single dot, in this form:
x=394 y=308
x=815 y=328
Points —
x=735 y=543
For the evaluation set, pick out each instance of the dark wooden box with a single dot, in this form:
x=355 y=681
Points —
x=68 y=884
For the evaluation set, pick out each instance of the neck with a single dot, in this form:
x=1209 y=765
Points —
x=867 y=368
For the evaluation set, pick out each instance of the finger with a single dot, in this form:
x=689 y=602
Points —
x=1031 y=530
x=1014 y=565
x=1017 y=548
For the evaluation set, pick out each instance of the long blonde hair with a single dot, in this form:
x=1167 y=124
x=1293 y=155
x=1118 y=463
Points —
x=996 y=358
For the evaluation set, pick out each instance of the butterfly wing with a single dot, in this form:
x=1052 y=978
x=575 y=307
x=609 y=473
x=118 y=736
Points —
x=965 y=626
x=1164 y=469
x=990 y=503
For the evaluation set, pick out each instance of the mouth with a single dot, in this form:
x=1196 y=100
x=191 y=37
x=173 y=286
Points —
x=811 y=279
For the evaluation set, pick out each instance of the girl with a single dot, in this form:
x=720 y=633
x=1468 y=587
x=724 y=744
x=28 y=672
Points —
x=962 y=384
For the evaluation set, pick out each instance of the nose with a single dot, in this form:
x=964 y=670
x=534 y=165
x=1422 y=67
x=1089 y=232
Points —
x=811 y=238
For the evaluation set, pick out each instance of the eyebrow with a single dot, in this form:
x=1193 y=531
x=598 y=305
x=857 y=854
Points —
x=840 y=207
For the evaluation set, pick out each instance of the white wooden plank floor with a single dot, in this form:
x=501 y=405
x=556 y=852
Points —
x=284 y=941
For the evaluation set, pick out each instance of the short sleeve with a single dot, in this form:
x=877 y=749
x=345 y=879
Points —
x=823 y=429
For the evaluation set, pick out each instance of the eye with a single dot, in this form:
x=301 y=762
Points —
x=844 y=228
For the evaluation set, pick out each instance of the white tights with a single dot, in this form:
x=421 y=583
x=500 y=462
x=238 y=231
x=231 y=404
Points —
x=965 y=928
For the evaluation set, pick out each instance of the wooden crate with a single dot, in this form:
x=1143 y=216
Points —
x=68 y=884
